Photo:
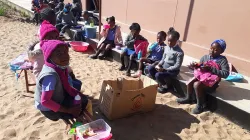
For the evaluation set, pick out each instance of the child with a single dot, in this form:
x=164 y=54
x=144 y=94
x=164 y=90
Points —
x=59 y=6
x=37 y=10
x=52 y=5
x=88 y=18
x=47 y=32
x=156 y=51
x=111 y=38
x=76 y=9
x=54 y=97
x=66 y=18
x=49 y=15
x=216 y=49
x=134 y=43
x=170 y=64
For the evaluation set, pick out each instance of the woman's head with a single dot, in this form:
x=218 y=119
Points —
x=67 y=8
x=173 y=38
x=161 y=37
x=49 y=15
x=48 y=31
x=111 y=21
x=55 y=52
x=135 y=29
x=217 y=48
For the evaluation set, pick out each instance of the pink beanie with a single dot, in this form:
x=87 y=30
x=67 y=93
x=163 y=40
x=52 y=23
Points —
x=48 y=46
x=45 y=28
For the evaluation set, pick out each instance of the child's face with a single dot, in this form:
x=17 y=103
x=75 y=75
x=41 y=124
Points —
x=51 y=36
x=171 y=41
x=85 y=16
x=111 y=23
x=160 y=39
x=215 y=50
x=60 y=56
x=135 y=33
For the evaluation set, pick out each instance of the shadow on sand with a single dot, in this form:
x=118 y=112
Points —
x=162 y=123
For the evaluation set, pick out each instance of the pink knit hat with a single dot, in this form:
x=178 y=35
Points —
x=49 y=46
x=45 y=28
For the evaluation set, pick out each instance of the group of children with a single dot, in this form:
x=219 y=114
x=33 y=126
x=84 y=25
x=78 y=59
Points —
x=55 y=95
x=163 y=61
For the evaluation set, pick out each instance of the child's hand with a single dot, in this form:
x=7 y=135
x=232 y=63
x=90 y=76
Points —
x=206 y=68
x=193 y=65
x=158 y=68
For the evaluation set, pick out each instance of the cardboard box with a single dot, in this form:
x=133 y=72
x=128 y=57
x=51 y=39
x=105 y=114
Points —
x=122 y=97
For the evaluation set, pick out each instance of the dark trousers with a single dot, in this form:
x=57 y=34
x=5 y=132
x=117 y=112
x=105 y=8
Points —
x=68 y=102
x=163 y=77
x=36 y=17
x=63 y=26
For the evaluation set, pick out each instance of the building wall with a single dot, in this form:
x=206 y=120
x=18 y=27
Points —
x=198 y=21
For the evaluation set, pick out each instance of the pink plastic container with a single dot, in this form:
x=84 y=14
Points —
x=106 y=26
x=103 y=133
x=79 y=46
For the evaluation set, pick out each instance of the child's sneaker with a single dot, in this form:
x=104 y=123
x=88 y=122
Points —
x=137 y=74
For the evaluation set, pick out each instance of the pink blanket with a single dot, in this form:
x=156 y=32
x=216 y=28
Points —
x=207 y=78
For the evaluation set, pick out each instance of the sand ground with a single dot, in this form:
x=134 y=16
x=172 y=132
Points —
x=169 y=121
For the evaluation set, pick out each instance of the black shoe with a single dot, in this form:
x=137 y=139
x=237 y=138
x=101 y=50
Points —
x=93 y=56
x=122 y=68
x=198 y=109
x=184 y=101
x=101 y=56
x=162 y=90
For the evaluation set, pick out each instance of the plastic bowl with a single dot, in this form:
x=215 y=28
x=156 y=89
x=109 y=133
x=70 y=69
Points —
x=104 y=133
x=79 y=46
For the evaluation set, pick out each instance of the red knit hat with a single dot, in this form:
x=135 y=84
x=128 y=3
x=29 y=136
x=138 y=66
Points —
x=45 y=28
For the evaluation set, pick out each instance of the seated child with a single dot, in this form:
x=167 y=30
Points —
x=134 y=43
x=49 y=15
x=76 y=9
x=156 y=51
x=88 y=18
x=199 y=87
x=170 y=64
x=47 y=32
x=37 y=10
x=110 y=38
x=59 y=6
x=54 y=96
x=66 y=18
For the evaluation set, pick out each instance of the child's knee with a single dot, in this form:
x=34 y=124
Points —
x=123 y=53
x=197 y=85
